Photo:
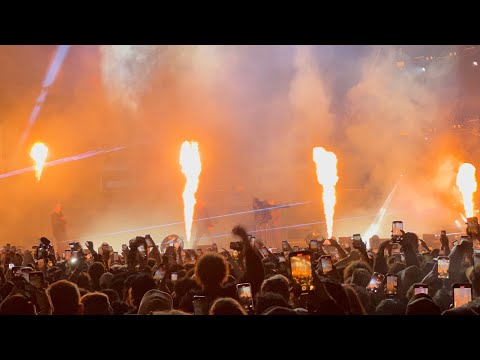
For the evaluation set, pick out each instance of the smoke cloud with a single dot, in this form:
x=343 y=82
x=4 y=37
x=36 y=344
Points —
x=256 y=112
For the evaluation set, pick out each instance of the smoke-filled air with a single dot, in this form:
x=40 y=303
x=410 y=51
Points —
x=114 y=118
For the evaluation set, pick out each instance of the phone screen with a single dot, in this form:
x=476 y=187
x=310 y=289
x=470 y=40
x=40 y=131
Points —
x=327 y=265
x=392 y=284
x=461 y=295
x=375 y=282
x=313 y=245
x=67 y=254
x=141 y=248
x=264 y=252
x=397 y=226
x=11 y=265
x=420 y=289
x=36 y=279
x=301 y=267
x=200 y=305
x=443 y=263
x=174 y=276
x=245 y=295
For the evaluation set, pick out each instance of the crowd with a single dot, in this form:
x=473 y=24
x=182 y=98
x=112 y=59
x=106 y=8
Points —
x=401 y=277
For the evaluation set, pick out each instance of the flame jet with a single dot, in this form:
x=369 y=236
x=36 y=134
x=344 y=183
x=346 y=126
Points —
x=191 y=168
x=326 y=163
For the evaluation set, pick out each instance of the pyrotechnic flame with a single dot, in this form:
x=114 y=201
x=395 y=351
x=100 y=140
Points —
x=468 y=185
x=326 y=163
x=39 y=154
x=191 y=168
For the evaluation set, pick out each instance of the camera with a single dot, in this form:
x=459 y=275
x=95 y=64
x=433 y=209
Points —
x=236 y=245
x=45 y=250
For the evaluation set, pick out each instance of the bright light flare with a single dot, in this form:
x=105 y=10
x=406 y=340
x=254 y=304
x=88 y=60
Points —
x=326 y=163
x=191 y=168
x=468 y=185
x=39 y=154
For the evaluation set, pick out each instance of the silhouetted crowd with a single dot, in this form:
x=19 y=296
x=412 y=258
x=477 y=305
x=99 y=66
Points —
x=402 y=277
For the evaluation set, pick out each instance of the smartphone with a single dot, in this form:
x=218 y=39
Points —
x=375 y=282
x=68 y=254
x=443 y=263
x=286 y=246
x=141 y=248
x=296 y=248
x=74 y=257
x=472 y=225
x=313 y=245
x=326 y=263
x=37 y=279
x=200 y=305
x=11 y=265
x=282 y=258
x=263 y=250
x=392 y=284
x=357 y=242
x=397 y=228
x=115 y=256
x=462 y=294
x=174 y=276
x=244 y=292
x=301 y=270
x=420 y=289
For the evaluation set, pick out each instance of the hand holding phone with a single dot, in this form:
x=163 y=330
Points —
x=200 y=305
x=443 y=265
x=326 y=264
x=462 y=294
x=375 y=282
x=244 y=292
x=301 y=270
x=392 y=285
x=420 y=289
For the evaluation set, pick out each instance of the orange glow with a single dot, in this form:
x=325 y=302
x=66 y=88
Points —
x=468 y=185
x=191 y=168
x=39 y=154
x=326 y=163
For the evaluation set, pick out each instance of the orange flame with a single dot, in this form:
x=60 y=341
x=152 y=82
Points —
x=326 y=163
x=39 y=154
x=191 y=168
x=468 y=185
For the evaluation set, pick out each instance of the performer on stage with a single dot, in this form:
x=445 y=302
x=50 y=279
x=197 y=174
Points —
x=59 y=228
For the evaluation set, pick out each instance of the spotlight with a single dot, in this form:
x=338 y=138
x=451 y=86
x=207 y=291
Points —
x=475 y=63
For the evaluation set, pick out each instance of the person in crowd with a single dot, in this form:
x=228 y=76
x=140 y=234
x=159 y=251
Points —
x=167 y=284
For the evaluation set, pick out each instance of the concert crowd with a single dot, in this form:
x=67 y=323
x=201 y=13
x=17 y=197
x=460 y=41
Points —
x=403 y=276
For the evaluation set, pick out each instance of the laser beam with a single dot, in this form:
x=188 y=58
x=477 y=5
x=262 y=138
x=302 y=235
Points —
x=182 y=222
x=62 y=161
x=52 y=72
